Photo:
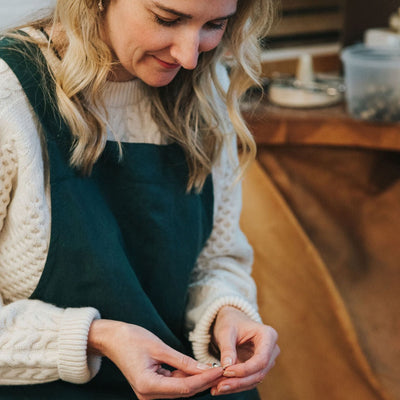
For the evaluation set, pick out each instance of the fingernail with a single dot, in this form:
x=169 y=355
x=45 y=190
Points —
x=213 y=392
x=216 y=364
x=203 y=366
x=226 y=362
x=229 y=374
x=224 y=388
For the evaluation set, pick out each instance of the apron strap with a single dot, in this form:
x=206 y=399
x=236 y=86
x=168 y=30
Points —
x=30 y=67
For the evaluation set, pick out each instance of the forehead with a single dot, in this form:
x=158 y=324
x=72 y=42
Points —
x=196 y=8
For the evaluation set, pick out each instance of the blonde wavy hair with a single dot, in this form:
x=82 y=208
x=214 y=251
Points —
x=187 y=111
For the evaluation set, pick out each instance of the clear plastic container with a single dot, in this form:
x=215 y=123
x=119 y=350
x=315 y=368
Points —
x=372 y=79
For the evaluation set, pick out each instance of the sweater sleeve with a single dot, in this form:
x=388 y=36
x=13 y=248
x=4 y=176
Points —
x=42 y=343
x=38 y=342
x=222 y=275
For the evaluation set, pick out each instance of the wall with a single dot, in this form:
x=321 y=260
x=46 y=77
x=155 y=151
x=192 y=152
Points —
x=16 y=11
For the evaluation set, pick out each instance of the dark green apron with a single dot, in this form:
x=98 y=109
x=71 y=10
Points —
x=123 y=240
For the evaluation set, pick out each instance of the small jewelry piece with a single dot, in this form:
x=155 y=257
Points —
x=215 y=365
x=100 y=5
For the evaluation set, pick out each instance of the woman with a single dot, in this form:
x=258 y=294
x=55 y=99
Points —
x=119 y=213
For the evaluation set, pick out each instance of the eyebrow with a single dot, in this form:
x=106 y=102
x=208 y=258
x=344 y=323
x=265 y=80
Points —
x=188 y=16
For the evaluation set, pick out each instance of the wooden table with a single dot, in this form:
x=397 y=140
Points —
x=331 y=126
x=337 y=181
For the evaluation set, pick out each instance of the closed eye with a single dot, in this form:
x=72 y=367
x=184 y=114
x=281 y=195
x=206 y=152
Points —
x=212 y=25
x=166 y=21
x=217 y=25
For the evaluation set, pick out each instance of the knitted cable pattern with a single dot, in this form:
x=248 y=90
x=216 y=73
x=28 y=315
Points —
x=24 y=234
x=222 y=273
x=33 y=339
x=39 y=342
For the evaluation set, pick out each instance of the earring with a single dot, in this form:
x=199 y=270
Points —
x=100 y=5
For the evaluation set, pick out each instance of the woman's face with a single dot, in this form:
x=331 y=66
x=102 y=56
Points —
x=153 y=39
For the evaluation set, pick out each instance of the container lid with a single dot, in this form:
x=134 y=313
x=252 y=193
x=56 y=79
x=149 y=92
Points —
x=382 y=37
x=362 y=54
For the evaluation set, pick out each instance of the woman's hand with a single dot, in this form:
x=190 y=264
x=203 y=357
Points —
x=140 y=356
x=247 y=349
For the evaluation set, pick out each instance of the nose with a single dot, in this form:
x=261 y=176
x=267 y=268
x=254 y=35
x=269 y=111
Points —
x=185 y=49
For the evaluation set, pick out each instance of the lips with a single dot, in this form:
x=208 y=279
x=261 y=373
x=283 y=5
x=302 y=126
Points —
x=166 y=64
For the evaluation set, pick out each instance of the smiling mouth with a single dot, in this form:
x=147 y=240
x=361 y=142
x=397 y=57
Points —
x=167 y=64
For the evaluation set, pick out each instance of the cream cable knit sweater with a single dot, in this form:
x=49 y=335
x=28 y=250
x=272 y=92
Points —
x=40 y=342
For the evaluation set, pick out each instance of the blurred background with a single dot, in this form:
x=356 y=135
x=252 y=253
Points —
x=321 y=204
x=16 y=11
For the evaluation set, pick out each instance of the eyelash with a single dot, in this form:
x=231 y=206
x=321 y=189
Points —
x=217 y=27
x=170 y=23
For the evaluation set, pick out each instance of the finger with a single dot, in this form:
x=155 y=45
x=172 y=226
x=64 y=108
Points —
x=173 y=387
x=233 y=385
x=181 y=361
x=227 y=348
x=254 y=365
x=265 y=349
x=275 y=354
x=229 y=390
x=179 y=374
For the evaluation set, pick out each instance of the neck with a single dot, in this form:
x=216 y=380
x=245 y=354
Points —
x=119 y=74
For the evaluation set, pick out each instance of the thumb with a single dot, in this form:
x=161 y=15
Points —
x=227 y=349
x=181 y=361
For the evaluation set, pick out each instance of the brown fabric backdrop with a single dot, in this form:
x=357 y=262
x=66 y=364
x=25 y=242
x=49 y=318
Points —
x=324 y=224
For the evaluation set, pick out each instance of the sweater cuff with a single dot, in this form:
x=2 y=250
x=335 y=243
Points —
x=74 y=365
x=201 y=337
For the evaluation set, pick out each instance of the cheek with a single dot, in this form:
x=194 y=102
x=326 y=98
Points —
x=129 y=32
x=211 y=41
x=136 y=42
x=147 y=39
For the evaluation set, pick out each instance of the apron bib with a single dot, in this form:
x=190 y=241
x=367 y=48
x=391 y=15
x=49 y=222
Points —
x=124 y=240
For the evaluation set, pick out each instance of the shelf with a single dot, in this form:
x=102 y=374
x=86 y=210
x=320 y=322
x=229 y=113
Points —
x=331 y=126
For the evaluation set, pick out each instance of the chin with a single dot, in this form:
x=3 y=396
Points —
x=161 y=84
x=157 y=83
x=158 y=80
